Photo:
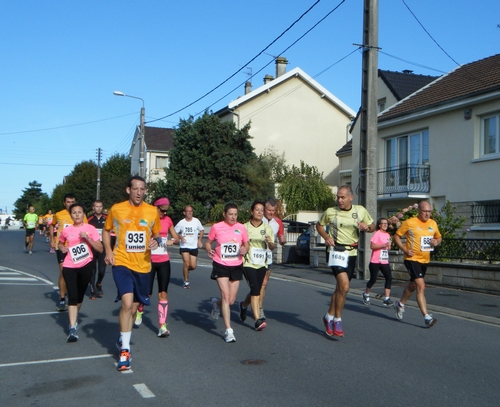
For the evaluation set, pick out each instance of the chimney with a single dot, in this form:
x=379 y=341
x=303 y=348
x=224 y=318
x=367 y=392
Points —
x=248 y=87
x=281 y=63
x=407 y=71
x=268 y=78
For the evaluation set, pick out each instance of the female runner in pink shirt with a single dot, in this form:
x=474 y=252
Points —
x=231 y=240
x=77 y=241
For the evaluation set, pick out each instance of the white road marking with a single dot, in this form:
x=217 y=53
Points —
x=21 y=276
x=30 y=314
x=39 y=362
x=144 y=391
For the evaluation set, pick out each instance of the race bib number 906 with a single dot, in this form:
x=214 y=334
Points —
x=135 y=242
x=229 y=251
x=79 y=253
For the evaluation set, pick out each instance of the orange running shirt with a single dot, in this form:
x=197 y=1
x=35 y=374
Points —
x=134 y=226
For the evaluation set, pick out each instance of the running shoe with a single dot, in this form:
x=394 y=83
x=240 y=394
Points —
x=47 y=240
x=124 y=360
x=229 y=336
x=387 y=302
x=30 y=252
x=399 y=310
x=215 y=309
x=25 y=245
x=52 y=250
x=430 y=321
x=73 y=334
x=260 y=325
x=62 y=306
x=92 y=293
x=261 y=315
x=243 y=312
x=163 y=332
x=99 y=290
x=186 y=284
x=337 y=328
x=328 y=326
x=138 y=318
x=366 y=299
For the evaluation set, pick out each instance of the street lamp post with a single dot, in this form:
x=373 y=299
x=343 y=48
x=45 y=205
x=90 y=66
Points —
x=142 y=170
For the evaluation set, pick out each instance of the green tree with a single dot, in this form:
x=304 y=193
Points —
x=115 y=173
x=303 y=188
x=82 y=182
x=209 y=162
x=32 y=195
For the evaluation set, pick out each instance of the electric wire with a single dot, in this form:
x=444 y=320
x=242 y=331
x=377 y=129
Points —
x=427 y=32
x=243 y=67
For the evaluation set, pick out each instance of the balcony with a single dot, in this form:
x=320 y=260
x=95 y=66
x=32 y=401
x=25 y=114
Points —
x=486 y=213
x=404 y=180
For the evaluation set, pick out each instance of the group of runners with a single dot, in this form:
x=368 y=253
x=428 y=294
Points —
x=134 y=236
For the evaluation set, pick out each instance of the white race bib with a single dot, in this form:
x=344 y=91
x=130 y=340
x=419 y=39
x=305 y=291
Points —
x=79 y=253
x=31 y=225
x=384 y=255
x=269 y=257
x=338 y=259
x=258 y=256
x=425 y=244
x=161 y=250
x=229 y=251
x=135 y=242
x=100 y=234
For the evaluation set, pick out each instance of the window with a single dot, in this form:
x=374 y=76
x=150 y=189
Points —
x=381 y=104
x=162 y=162
x=490 y=135
x=407 y=159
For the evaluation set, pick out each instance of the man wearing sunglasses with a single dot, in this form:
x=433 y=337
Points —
x=422 y=235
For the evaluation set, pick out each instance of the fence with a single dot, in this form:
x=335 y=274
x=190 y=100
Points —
x=484 y=250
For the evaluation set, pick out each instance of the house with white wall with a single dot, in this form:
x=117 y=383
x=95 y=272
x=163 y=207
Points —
x=295 y=115
x=157 y=144
x=442 y=143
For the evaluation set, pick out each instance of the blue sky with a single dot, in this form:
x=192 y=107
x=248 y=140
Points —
x=62 y=60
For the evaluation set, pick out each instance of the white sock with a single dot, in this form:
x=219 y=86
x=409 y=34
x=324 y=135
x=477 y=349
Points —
x=386 y=298
x=126 y=339
x=427 y=316
x=337 y=319
x=328 y=317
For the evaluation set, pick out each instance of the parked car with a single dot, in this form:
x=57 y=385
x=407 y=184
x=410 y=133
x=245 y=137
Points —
x=303 y=244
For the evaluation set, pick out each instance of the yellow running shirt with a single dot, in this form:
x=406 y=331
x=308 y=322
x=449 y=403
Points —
x=134 y=226
x=418 y=237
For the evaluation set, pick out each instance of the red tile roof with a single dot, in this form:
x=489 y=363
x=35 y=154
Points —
x=466 y=81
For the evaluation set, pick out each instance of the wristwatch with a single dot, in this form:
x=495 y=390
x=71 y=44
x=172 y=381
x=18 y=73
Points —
x=158 y=239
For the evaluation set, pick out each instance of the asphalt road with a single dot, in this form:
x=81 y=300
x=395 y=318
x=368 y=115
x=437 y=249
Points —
x=380 y=361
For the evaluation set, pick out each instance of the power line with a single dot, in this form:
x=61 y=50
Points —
x=243 y=67
x=281 y=53
x=430 y=36
x=411 y=63
x=63 y=127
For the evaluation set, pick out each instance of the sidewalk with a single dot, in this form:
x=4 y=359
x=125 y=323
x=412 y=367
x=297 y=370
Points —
x=445 y=300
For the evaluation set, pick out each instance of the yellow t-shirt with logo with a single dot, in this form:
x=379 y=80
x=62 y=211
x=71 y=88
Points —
x=343 y=225
x=134 y=226
x=418 y=234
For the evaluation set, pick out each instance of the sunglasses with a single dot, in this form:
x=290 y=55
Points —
x=164 y=211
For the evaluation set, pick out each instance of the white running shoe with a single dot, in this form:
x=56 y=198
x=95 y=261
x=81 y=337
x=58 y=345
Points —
x=163 y=332
x=399 y=310
x=229 y=336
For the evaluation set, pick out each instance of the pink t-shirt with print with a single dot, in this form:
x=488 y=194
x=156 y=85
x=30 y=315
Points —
x=380 y=256
x=79 y=250
x=160 y=254
x=229 y=239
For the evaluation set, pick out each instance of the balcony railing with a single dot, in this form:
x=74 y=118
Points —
x=404 y=180
x=485 y=212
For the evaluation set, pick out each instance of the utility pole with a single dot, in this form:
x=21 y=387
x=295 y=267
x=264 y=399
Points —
x=142 y=170
x=98 y=193
x=369 y=124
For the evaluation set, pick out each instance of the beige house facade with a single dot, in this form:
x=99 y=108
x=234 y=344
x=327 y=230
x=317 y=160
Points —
x=442 y=143
x=157 y=144
x=293 y=114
